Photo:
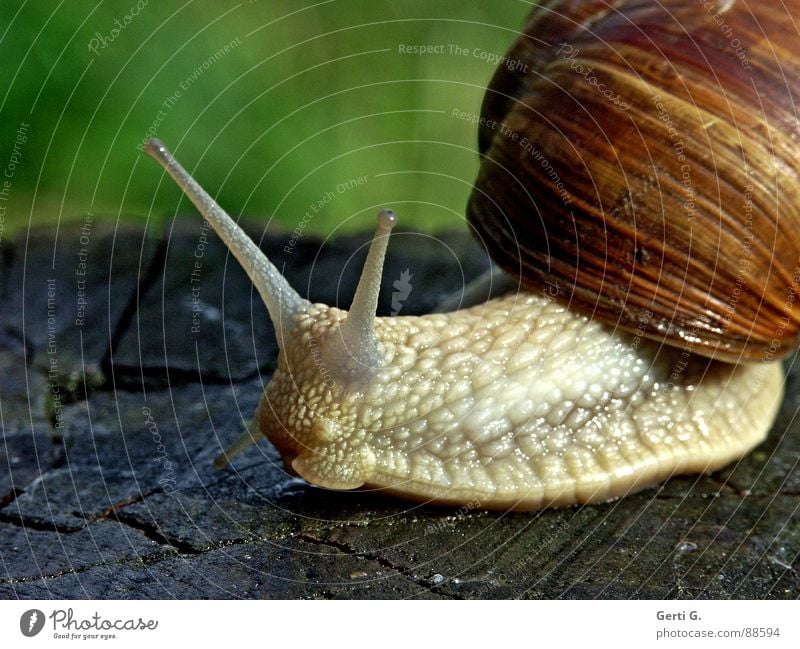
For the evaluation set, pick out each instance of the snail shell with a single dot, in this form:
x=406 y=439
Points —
x=644 y=158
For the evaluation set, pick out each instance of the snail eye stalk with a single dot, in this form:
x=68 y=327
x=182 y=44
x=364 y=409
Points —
x=281 y=300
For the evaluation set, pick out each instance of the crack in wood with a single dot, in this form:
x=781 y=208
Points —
x=10 y=497
x=7 y=254
x=382 y=561
x=39 y=524
x=131 y=379
x=134 y=378
x=178 y=549
x=126 y=318
x=154 y=533
x=147 y=559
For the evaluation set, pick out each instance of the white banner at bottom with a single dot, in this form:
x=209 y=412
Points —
x=356 y=624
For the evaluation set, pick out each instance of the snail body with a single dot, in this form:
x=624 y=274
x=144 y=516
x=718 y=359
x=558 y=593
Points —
x=615 y=380
x=518 y=403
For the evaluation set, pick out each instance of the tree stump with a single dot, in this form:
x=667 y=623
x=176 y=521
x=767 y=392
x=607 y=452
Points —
x=130 y=359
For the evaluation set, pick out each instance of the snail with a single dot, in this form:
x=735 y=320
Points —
x=624 y=360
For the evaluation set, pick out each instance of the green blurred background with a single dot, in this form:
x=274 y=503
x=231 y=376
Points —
x=308 y=97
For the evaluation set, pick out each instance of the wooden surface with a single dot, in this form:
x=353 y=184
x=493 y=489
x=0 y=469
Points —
x=107 y=488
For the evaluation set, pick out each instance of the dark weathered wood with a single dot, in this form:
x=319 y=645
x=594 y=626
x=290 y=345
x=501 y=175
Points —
x=82 y=276
x=121 y=499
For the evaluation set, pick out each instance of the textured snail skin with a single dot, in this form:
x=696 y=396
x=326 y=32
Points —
x=517 y=403
x=514 y=404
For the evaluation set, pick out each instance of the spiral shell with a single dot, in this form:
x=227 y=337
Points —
x=643 y=159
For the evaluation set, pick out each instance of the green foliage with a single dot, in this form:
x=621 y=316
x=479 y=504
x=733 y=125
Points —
x=308 y=98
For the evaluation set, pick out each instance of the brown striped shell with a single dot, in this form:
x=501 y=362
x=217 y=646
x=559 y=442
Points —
x=643 y=159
